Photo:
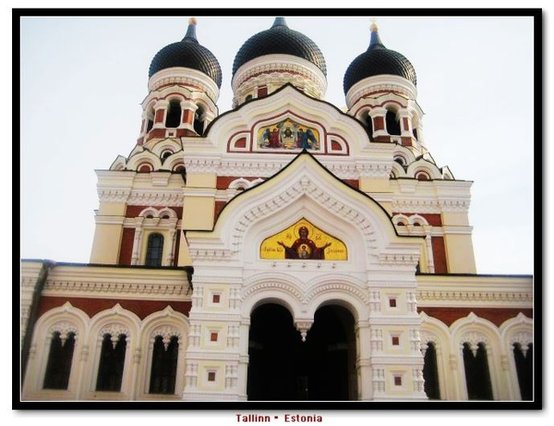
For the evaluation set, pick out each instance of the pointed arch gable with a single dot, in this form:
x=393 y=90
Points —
x=306 y=188
x=338 y=125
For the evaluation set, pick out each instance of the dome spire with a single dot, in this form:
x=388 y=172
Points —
x=375 y=41
x=279 y=21
x=190 y=36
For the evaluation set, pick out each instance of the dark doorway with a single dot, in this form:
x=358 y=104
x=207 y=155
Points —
x=282 y=367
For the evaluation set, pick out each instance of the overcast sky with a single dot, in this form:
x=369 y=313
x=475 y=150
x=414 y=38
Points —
x=82 y=81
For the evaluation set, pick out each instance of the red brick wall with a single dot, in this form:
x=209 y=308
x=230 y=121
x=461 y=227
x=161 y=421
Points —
x=142 y=308
x=378 y=123
x=217 y=208
x=439 y=255
x=494 y=315
x=126 y=251
x=354 y=183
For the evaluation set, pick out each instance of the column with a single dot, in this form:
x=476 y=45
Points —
x=188 y=108
x=137 y=241
x=379 y=123
x=160 y=111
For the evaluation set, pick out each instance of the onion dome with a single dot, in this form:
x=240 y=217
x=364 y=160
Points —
x=280 y=39
x=187 y=53
x=378 y=60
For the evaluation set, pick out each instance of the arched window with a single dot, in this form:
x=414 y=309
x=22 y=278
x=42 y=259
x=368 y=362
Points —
x=393 y=124
x=431 y=373
x=478 y=380
x=60 y=358
x=400 y=160
x=150 y=119
x=369 y=125
x=173 y=116
x=112 y=362
x=166 y=153
x=198 y=123
x=524 y=367
x=248 y=98
x=154 y=250
x=164 y=365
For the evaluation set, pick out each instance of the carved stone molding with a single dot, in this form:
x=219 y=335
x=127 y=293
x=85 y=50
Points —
x=166 y=332
x=114 y=288
x=304 y=186
x=156 y=198
x=113 y=195
x=473 y=296
x=473 y=338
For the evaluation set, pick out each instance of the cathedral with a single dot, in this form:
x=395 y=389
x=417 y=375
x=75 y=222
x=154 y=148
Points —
x=284 y=250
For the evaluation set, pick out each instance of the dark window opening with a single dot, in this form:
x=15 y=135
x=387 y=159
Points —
x=248 y=98
x=478 y=380
x=400 y=160
x=166 y=154
x=198 y=123
x=369 y=125
x=149 y=125
x=392 y=302
x=154 y=250
x=112 y=362
x=60 y=358
x=414 y=131
x=431 y=372
x=397 y=381
x=164 y=366
x=173 y=117
x=393 y=124
x=262 y=91
x=524 y=367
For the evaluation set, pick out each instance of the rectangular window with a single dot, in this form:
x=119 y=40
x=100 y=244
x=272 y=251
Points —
x=262 y=91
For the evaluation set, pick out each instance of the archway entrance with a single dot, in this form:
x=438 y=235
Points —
x=282 y=367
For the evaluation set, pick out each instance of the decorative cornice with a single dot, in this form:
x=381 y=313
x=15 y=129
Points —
x=429 y=205
x=264 y=167
x=464 y=297
x=398 y=259
x=115 y=289
x=173 y=198
x=113 y=195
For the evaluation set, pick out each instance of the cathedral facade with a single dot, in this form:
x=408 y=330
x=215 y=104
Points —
x=282 y=250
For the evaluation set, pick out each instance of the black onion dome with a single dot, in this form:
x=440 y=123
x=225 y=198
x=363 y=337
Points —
x=378 y=60
x=280 y=39
x=187 y=53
